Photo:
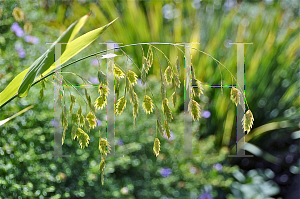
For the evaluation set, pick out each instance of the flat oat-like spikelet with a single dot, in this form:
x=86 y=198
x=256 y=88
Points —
x=102 y=78
x=147 y=104
x=168 y=75
x=118 y=72
x=235 y=96
x=195 y=110
x=100 y=102
x=82 y=137
x=91 y=118
x=167 y=130
x=104 y=146
x=132 y=77
x=197 y=89
x=156 y=147
x=121 y=105
x=166 y=110
x=174 y=98
x=248 y=121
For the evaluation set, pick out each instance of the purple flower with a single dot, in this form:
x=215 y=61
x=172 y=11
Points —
x=206 y=114
x=205 y=196
x=140 y=83
x=94 y=80
x=120 y=142
x=54 y=123
x=31 y=39
x=165 y=172
x=94 y=62
x=20 y=51
x=218 y=167
x=17 y=29
x=172 y=136
x=193 y=170
x=99 y=122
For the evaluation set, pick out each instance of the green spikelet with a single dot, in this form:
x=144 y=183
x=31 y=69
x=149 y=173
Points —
x=135 y=106
x=195 y=110
x=80 y=117
x=235 y=96
x=118 y=72
x=74 y=119
x=89 y=100
x=176 y=80
x=135 y=101
x=100 y=102
x=158 y=121
x=42 y=94
x=163 y=90
x=63 y=137
x=144 y=75
x=73 y=132
x=117 y=87
x=43 y=82
x=167 y=129
x=132 y=77
x=197 y=88
x=64 y=118
x=146 y=65
x=166 y=110
x=103 y=90
x=83 y=138
x=102 y=78
x=91 y=118
x=147 y=104
x=168 y=75
x=104 y=147
x=178 y=65
x=160 y=127
x=174 y=98
x=73 y=100
x=150 y=56
x=121 y=105
x=101 y=168
x=247 y=121
x=102 y=164
x=156 y=147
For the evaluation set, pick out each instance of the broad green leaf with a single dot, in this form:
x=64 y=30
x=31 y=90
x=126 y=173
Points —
x=47 y=59
x=79 y=44
x=71 y=50
x=15 y=115
x=12 y=88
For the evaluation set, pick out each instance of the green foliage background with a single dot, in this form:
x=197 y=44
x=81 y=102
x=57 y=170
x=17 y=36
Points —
x=272 y=91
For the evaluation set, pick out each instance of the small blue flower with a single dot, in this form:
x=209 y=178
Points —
x=218 y=167
x=31 y=39
x=172 y=136
x=193 y=170
x=17 y=29
x=99 y=122
x=140 y=83
x=165 y=172
x=206 y=114
x=120 y=142
x=206 y=196
x=20 y=50
x=54 y=123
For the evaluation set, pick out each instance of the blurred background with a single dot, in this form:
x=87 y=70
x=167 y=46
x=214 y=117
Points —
x=272 y=92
